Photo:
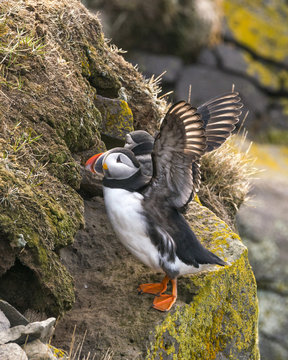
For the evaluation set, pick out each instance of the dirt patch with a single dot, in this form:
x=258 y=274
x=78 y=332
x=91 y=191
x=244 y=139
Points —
x=106 y=280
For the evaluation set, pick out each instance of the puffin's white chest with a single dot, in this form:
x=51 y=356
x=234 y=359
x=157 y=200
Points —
x=125 y=213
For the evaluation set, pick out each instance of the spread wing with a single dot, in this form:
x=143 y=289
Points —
x=180 y=142
x=219 y=116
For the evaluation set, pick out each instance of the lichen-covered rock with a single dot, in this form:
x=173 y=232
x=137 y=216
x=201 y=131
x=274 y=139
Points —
x=117 y=117
x=215 y=316
x=54 y=61
x=263 y=227
x=265 y=54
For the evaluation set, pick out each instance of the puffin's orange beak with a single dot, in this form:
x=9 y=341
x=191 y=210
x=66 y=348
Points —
x=90 y=163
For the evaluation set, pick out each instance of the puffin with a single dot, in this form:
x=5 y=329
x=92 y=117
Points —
x=145 y=209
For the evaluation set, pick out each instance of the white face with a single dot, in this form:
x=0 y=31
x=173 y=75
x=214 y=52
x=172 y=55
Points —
x=118 y=166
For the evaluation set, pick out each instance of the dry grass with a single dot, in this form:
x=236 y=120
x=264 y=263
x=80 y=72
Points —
x=226 y=177
x=76 y=349
x=22 y=154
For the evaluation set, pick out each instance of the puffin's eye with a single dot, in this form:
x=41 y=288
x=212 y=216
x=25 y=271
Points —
x=118 y=159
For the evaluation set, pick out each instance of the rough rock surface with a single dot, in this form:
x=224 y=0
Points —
x=36 y=350
x=117 y=117
x=13 y=316
x=4 y=322
x=221 y=303
x=33 y=336
x=12 y=352
x=263 y=227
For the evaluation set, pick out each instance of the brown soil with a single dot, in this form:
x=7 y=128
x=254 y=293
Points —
x=106 y=280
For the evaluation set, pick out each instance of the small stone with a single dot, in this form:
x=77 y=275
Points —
x=12 y=314
x=12 y=352
x=21 y=242
x=35 y=330
x=36 y=350
x=4 y=322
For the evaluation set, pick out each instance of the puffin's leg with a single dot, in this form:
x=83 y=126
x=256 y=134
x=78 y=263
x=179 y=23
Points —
x=155 y=289
x=164 y=302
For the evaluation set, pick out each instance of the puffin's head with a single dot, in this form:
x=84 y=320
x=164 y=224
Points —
x=119 y=164
x=137 y=137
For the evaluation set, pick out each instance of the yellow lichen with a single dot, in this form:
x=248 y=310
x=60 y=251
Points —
x=261 y=27
x=270 y=157
x=116 y=115
x=58 y=353
x=221 y=318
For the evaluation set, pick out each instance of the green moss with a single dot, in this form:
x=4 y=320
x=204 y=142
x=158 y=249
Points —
x=45 y=224
x=99 y=74
x=59 y=157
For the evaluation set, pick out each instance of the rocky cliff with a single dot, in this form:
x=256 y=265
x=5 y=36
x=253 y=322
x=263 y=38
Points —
x=65 y=94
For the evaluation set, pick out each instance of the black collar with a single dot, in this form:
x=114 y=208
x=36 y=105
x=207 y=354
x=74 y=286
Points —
x=135 y=183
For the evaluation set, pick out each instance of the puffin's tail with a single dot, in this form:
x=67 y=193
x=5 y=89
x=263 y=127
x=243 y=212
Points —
x=207 y=257
x=189 y=249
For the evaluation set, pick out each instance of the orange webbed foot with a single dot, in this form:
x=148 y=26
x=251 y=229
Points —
x=154 y=289
x=164 y=302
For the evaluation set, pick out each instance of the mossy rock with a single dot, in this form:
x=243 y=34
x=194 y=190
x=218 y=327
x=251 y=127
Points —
x=100 y=74
x=117 y=117
x=54 y=62
x=34 y=225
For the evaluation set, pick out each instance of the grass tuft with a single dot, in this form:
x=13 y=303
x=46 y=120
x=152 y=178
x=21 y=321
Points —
x=226 y=177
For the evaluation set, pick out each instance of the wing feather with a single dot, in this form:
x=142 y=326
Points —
x=186 y=133
x=220 y=115
x=180 y=142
